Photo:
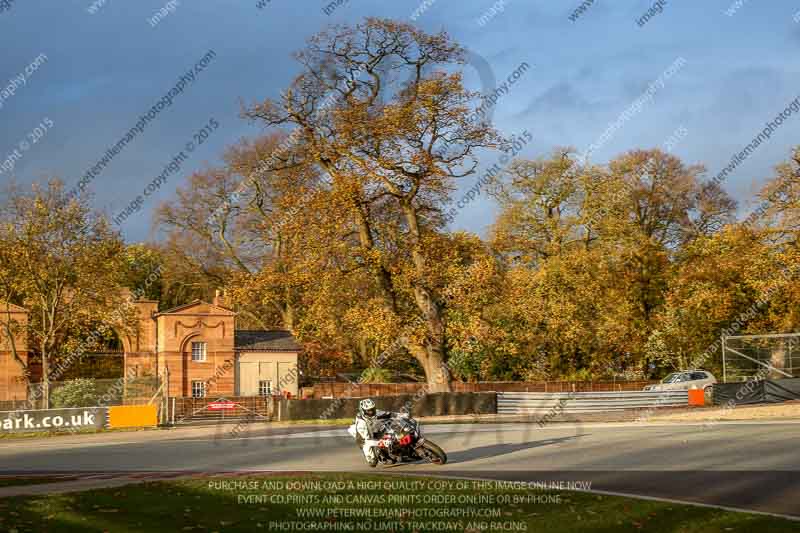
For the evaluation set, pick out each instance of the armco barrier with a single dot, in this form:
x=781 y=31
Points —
x=587 y=402
x=132 y=416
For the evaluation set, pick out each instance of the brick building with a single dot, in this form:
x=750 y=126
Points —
x=12 y=382
x=195 y=346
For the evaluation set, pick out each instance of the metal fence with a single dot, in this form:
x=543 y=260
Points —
x=587 y=402
x=772 y=356
x=117 y=391
x=219 y=409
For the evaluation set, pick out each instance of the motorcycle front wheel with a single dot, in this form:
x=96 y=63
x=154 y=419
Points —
x=432 y=453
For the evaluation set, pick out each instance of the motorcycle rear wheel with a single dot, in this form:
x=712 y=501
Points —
x=433 y=453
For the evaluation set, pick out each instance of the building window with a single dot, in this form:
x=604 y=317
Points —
x=198 y=389
x=198 y=351
x=264 y=387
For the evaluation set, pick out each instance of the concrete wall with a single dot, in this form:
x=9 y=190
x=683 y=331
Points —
x=366 y=390
x=435 y=404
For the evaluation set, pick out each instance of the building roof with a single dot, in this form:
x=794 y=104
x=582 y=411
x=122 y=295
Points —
x=275 y=340
x=11 y=307
x=205 y=308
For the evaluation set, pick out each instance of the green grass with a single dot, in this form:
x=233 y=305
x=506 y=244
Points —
x=206 y=505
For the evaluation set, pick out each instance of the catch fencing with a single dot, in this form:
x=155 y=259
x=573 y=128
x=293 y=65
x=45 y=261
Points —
x=109 y=391
x=587 y=402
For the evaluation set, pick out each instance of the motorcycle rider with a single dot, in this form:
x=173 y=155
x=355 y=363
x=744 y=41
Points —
x=368 y=428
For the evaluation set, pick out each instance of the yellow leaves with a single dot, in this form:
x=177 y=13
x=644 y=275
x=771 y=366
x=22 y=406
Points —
x=372 y=322
x=62 y=262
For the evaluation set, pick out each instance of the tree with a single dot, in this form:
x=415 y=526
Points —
x=391 y=149
x=715 y=282
x=65 y=266
x=241 y=227
x=592 y=252
x=540 y=205
x=143 y=267
x=781 y=204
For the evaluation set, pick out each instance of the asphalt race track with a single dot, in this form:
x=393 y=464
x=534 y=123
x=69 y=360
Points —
x=753 y=466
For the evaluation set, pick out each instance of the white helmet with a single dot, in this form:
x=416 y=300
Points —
x=367 y=408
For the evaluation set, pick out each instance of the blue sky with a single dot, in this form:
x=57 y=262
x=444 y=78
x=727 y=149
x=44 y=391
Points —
x=104 y=70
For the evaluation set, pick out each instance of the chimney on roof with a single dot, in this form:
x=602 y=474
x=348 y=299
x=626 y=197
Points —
x=219 y=298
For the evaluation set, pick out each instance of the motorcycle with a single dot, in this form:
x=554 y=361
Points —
x=403 y=441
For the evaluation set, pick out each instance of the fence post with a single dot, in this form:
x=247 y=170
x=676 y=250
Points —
x=724 y=363
x=165 y=392
x=124 y=376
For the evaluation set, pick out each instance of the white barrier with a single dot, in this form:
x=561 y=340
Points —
x=587 y=402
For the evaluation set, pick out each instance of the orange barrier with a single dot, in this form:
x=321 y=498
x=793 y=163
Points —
x=132 y=416
x=697 y=397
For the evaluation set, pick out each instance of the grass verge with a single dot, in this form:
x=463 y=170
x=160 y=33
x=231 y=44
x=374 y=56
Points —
x=66 y=433
x=355 y=502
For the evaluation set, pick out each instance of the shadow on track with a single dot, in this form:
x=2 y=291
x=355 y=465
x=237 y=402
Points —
x=493 y=450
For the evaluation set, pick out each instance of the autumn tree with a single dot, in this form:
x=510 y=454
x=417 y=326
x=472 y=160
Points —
x=593 y=250
x=379 y=109
x=660 y=205
x=236 y=226
x=775 y=221
x=63 y=263
x=718 y=279
x=778 y=215
x=143 y=271
x=540 y=204
x=332 y=224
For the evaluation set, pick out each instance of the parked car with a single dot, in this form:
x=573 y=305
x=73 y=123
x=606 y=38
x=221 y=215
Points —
x=685 y=380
